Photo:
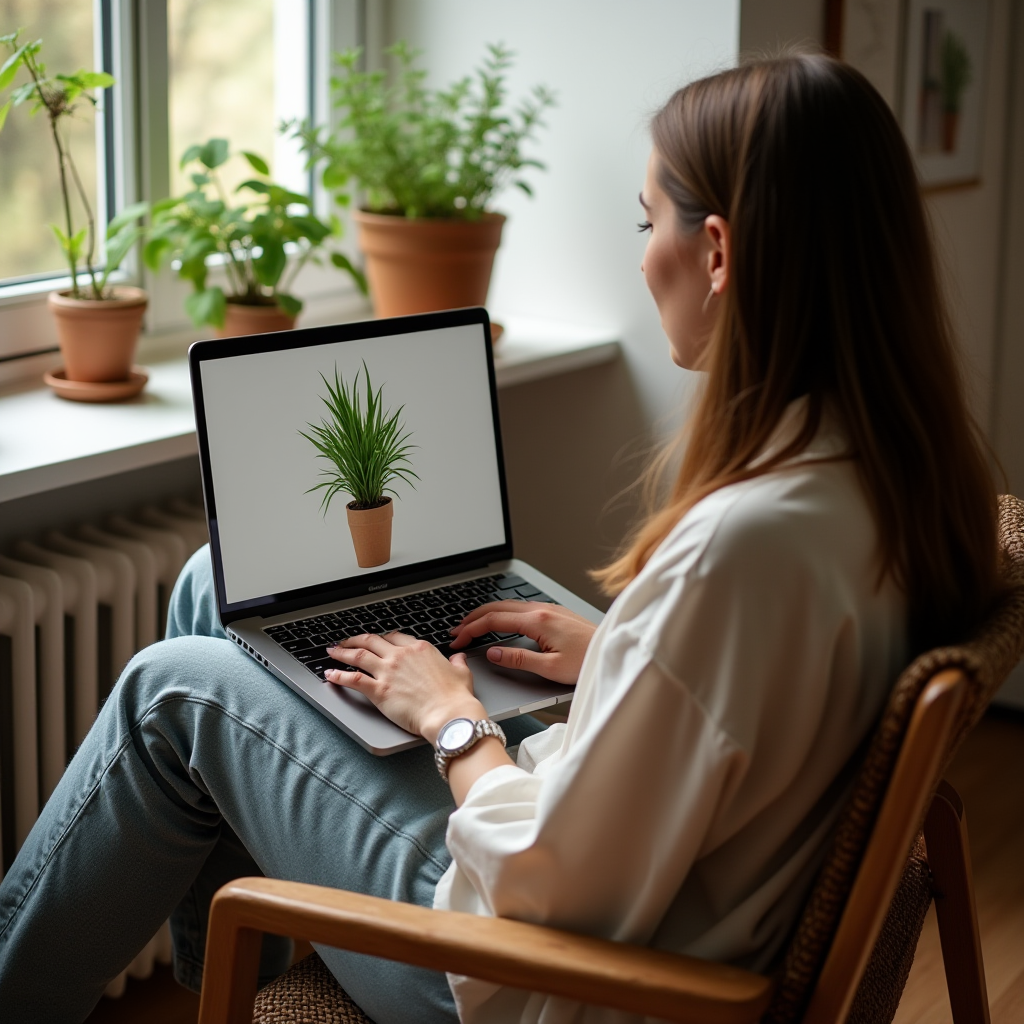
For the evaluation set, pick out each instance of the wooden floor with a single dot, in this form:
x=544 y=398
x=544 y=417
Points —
x=989 y=774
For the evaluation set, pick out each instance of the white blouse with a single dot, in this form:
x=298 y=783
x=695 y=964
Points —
x=687 y=801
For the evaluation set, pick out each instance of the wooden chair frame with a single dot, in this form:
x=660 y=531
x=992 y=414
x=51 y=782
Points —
x=623 y=976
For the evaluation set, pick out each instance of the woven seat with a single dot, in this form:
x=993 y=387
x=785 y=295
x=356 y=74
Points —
x=306 y=994
x=985 y=661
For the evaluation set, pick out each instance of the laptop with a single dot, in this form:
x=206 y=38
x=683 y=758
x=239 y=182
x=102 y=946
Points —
x=287 y=571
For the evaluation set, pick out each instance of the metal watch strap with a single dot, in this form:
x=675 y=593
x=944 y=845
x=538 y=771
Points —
x=481 y=728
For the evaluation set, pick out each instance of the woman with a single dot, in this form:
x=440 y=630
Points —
x=831 y=515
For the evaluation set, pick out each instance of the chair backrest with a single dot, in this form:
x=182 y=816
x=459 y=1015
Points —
x=934 y=704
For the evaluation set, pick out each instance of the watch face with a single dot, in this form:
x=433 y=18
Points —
x=455 y=734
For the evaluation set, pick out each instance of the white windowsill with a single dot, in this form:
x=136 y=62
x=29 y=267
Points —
x=47 y=442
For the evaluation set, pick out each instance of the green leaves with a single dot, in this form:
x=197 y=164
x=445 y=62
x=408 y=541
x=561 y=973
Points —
x=75 y=85
x=22 y=93
x=128 y=216
x=342 y=262
x=422 y=152
x=10 y=66
x=257 y=163
x=72 y=246
x=270 y=263
x=123 y=232
x=94 y=79
x=210 y=154
x=288 y=304
x=366 y=445
x=207 y=307
x=20 y=56
x=261 y=243
x=156 y=252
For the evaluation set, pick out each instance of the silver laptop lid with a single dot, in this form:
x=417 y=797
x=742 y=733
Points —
x=263 y=417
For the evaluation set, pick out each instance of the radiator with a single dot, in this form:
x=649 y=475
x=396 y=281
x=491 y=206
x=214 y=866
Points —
x=75 y=605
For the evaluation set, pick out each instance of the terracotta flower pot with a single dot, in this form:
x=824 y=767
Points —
x=98 y=336
x=240 y=320
x=371 y=532
x=950 y=129
x=415 y=266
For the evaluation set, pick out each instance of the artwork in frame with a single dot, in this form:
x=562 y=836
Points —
x=869 y=35
x=944 y=71
x=928 y=59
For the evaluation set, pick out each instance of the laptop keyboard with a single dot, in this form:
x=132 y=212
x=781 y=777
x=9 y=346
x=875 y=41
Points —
x=427 y=615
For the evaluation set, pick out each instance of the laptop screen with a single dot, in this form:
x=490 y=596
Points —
x=284 y=452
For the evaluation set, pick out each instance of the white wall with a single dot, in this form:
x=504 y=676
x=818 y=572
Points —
x=969 y=225
x=768 y=24
x=1008 y=408
x=573 y=252
x=979 y=230
x=968 y=221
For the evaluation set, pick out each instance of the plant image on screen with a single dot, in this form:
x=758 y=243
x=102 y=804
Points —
x=367 y=447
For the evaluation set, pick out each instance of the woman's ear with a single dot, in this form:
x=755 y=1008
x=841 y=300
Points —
x=717 y=239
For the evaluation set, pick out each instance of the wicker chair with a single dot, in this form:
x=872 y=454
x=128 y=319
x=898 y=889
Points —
x=851 y=951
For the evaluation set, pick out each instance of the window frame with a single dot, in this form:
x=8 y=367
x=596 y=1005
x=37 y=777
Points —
x=133 y=155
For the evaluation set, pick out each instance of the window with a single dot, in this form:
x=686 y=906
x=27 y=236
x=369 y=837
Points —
x=185 y=70
x=221 y=80
x=29 y=189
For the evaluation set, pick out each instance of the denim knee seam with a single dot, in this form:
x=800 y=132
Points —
x=315 y=772
x=62 y=836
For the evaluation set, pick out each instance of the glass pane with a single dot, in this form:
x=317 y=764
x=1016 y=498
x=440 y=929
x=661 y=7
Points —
x=222 y=81
x=30 y=198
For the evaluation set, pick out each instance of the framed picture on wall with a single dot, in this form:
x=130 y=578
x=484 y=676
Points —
x=929 y=59
x=869 y=35
x=944 y=70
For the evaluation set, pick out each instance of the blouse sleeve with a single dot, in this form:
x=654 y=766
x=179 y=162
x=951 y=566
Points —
x=604 y=838
x=601 y=839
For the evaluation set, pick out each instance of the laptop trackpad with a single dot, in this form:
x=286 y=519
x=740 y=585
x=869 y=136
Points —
x=505 y=692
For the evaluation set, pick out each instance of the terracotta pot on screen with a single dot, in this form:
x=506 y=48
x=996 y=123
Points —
x=241 y=319
x=415 y=266
x=98 y=336
x=371 y=533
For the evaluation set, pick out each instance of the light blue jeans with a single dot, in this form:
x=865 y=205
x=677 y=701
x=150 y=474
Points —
x=202 y=767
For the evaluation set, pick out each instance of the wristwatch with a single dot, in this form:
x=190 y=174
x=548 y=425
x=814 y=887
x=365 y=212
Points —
x=458 y=736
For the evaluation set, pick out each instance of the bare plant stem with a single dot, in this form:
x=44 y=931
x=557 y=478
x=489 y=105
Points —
x=97 y=292
x=288 y=280
x=52 y=104
x=240 y=268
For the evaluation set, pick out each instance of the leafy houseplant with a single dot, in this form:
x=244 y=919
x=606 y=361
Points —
x=429 y=163
x=251 y=238
x=956 y=76
x=98 y=324
x=368 y=451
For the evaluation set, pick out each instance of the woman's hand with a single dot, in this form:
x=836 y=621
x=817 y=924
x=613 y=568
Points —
x=408 y=680
x=562 y=635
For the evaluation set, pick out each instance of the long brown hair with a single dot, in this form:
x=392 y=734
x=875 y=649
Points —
x=834 y=295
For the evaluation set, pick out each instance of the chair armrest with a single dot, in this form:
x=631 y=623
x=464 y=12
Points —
x=527 y=956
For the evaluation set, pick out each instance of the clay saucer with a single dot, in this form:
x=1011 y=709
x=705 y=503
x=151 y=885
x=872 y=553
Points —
x=95 y=391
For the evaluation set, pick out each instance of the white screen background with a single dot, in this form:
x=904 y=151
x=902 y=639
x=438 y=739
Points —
x=274 y=536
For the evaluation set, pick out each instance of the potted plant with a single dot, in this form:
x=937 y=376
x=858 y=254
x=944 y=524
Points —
x=956 y=76
x=97 y=323
x=251 y=239
x=428 y=163
x=368 y=451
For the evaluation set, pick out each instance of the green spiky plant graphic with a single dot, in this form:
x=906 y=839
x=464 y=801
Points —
x=366 y=444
